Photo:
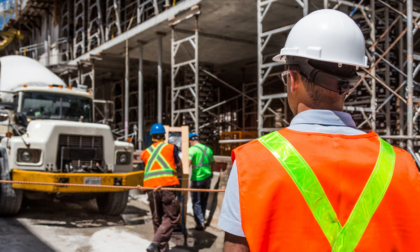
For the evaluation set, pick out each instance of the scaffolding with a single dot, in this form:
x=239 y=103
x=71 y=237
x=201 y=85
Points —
x=190 y=108
x=383 y=100
x=113 y=23
x=95 y=32
x=384 y=96
x=268 y=69
x=79 y=40
x=66 y=27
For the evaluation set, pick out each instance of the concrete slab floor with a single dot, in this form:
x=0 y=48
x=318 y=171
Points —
x=79 y=227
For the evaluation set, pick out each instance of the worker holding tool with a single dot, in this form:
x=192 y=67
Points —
x=161 y=165
x=202 y=161
x=321 y=184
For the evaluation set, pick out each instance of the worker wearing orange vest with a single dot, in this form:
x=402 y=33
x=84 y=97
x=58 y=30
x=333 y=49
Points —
x=161 y=161
x=321 y=184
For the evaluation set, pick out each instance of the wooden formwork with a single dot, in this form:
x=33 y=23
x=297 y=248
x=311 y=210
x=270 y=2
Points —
x=184 y=130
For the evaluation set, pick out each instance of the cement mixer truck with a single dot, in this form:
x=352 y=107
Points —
x=48 y=134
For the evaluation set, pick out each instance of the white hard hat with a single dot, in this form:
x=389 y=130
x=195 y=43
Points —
x=326 y=35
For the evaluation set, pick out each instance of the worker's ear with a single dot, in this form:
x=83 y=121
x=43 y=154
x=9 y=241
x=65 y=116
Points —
x=294 y=81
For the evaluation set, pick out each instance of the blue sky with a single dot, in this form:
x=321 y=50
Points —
x=4 y=6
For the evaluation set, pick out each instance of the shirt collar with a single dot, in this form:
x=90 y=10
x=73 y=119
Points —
x=324 y=117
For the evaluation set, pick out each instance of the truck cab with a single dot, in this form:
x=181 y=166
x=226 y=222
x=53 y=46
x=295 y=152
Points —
x=48 y=135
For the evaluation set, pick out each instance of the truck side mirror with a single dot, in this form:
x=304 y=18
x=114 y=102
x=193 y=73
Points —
x=21 y=119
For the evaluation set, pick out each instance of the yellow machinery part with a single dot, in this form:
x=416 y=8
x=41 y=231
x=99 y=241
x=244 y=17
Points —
x=9 y=36
x=128 y=179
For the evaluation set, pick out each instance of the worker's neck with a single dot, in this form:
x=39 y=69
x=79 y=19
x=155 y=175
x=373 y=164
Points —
x=194 y=143
x=304 y=107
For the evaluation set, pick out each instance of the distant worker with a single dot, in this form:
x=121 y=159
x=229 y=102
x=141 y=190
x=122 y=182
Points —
x=161 y=165
x=202 y=161
x=321 y=184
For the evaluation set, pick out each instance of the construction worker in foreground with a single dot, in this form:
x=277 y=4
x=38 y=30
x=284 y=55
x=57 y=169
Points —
x=161 y=165
x=202 y=161
x=321 y=184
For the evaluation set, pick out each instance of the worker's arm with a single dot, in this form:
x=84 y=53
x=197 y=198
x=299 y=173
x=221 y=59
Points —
x=179 y=169
x=235 y=243
x=191 y=153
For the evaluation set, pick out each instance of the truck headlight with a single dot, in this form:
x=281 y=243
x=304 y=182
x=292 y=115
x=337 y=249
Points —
x=123 y=158
x=28 y=156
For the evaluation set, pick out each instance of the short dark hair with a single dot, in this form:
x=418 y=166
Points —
x=194 y=138
x=317 y=93
x=158 y=136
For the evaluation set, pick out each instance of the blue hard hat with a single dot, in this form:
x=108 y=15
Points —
x=191 y=135
x=157 y=128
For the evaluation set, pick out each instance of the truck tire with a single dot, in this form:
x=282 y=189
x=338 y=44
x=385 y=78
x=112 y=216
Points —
x=113 y=203
x=10 y=199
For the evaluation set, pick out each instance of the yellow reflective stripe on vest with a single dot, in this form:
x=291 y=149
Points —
x=306 y=181
x=159 y=173
x=156 y=156
x=150 y=149
x=340 y=238
x=368 y=201
x=155 y=152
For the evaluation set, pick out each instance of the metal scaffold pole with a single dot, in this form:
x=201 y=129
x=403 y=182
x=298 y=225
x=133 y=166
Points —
x=197 y=80
x=387 y=75
x=173 y=75
x=410 y=73
x=260 y=62
x=159 y=74
x=126 y=90
x=305 y=7
x=140 y=95
x=373 y=70
x=401 y=79
x=92 y=76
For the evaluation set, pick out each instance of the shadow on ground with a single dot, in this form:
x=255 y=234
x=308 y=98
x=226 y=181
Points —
x=77 y=214
x=16 y=237
x=196 y=241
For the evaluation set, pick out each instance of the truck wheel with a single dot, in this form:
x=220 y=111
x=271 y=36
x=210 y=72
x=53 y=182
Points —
x=10 y=199
x=113 y=203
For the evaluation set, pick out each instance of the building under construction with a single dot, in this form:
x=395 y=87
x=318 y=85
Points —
x=208 y=64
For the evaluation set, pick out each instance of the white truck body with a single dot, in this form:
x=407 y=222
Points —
x=17 y=71
x=48 y=135
x=21 y=75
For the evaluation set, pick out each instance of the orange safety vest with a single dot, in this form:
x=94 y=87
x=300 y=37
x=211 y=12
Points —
x=276 y=217
x=162 y=170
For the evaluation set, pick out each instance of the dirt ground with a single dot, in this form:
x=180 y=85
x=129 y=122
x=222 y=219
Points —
x=78 y=226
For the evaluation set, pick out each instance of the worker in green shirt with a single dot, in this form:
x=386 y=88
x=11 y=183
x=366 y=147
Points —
x=202 y=161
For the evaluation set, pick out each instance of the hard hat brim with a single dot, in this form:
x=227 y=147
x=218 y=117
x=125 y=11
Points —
x=282 y=58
